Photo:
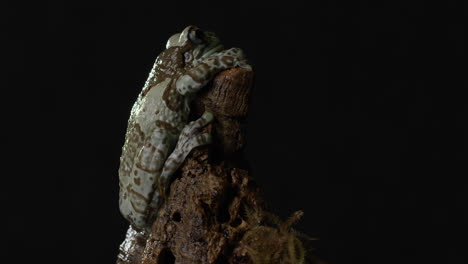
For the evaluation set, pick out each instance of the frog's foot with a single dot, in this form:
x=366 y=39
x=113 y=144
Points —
x=192 y=128
x=244 y=65
x=239 y=58
x=189 y=139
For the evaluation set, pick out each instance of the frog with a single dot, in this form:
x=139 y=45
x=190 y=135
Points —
x=159 y=135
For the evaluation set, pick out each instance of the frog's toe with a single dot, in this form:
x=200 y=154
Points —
x=241 y=63
x=208 y=116
x=192 y=127
x=245 y=66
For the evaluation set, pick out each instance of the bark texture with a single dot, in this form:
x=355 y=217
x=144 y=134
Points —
x=203 y=217
x=214 y=213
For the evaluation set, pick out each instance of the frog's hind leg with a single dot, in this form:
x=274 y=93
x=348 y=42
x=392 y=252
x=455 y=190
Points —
x=188 y=140
x=141 y=184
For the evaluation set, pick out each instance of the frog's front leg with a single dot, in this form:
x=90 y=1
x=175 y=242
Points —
x=189 y=139
x=197 y=77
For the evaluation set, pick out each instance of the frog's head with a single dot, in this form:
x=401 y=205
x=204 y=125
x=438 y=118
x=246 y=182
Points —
x=194 y=44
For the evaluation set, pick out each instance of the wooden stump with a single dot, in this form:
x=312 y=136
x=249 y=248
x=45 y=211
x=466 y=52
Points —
x=202 y=216
x=213 y=202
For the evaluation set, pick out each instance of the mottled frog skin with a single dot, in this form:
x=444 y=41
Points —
x=158 y=136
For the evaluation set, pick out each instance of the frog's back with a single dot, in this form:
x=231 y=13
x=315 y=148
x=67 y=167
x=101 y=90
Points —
x=141 y=124
x=161 y=112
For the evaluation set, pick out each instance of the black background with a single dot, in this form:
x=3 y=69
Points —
x=357 y=119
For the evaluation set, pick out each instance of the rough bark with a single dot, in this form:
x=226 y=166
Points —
x=213 y=202
x=203 y=216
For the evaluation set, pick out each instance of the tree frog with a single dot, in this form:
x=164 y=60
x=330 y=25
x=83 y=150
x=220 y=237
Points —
x=159 y=136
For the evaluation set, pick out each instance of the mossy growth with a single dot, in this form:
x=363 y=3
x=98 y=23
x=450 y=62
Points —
x=271 y=240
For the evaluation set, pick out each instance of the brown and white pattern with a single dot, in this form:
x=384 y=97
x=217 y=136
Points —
x=159 y=136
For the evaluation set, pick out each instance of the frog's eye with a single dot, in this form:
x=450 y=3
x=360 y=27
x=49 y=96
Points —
x=196 y=36
x=188 y=56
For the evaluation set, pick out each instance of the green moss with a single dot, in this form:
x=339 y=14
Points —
x=271 y=240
